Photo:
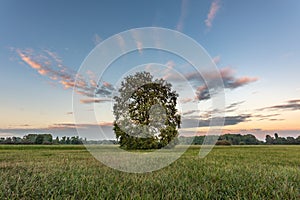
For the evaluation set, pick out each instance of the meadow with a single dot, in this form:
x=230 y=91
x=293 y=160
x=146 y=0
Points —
x=227 y=172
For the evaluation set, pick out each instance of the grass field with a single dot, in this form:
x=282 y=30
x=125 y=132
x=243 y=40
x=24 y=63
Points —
x=70 y=172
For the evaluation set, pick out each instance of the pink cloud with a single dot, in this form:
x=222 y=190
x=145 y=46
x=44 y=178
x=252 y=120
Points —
x=243 y=81
x=183 y=14
x=94 y=100
x=55 y=57
x=108 y=85
x=62 y=126
x=227 y=74
x=106 y=123
x=136 y=36
x=139 y=46
x=93 y=83
x=67 y=84
x=170 y=64
x=214 y=8
x=29 y=61
x=216 y=59
x=52 y=68
x=43 y=71
x=92 y=78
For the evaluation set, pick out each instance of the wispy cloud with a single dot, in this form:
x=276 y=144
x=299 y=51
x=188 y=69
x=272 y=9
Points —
x=191 y=121
x=268 y=117
x=189 y=112
x=92 y=78
x=170 y=65
x=214 y=8
x=105 y=90
x=94 y=100
x=76 y=125
x=56 y=58
x=97 y=39
x=121 y=42
x=106 y=123
x=216 y=59
x=108 y=85
x=240 y=82
x=62 y=126
x=294 y=101
x=46 y=67
x=183 y=14
x=53 y=68
x=227 y=74
x=276 y=119
x=209 y=113
x=202 y=93
x=41 y=70
x=137 y=39
x=139 y=46
x=291 y=105
x=234 y=105
x=20 y=126
x=229 y=81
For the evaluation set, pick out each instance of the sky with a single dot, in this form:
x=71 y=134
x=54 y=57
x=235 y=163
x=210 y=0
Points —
x=43 y=44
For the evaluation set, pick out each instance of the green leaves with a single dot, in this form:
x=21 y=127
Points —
x=145 y=113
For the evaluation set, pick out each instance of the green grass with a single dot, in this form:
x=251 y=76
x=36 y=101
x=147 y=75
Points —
x=70 y=172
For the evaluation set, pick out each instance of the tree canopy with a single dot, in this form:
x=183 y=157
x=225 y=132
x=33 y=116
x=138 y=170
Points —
x=145 y=113
x=281 y=140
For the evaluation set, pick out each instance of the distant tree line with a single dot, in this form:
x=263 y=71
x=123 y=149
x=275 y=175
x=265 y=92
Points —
x=41 y=139
x=48 y=139
x=227 y=139
x=281 y=140
x=238 y=139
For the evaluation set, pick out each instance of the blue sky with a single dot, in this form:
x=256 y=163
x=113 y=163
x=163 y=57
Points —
x=255 y=43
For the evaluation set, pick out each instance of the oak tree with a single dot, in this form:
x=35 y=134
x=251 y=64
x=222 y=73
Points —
x=145 y=113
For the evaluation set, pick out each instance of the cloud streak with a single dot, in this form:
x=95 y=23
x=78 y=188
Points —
x=234 y=105
x=96 y=39
x=51 y=66
x=229 y=120
x=183 y=14
x=216 y=59
x=41 y=70
x=94 y=100
x=214 y=8
x=137 y=38
x=228 y=76
x=291 y=105
x=229 y=81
